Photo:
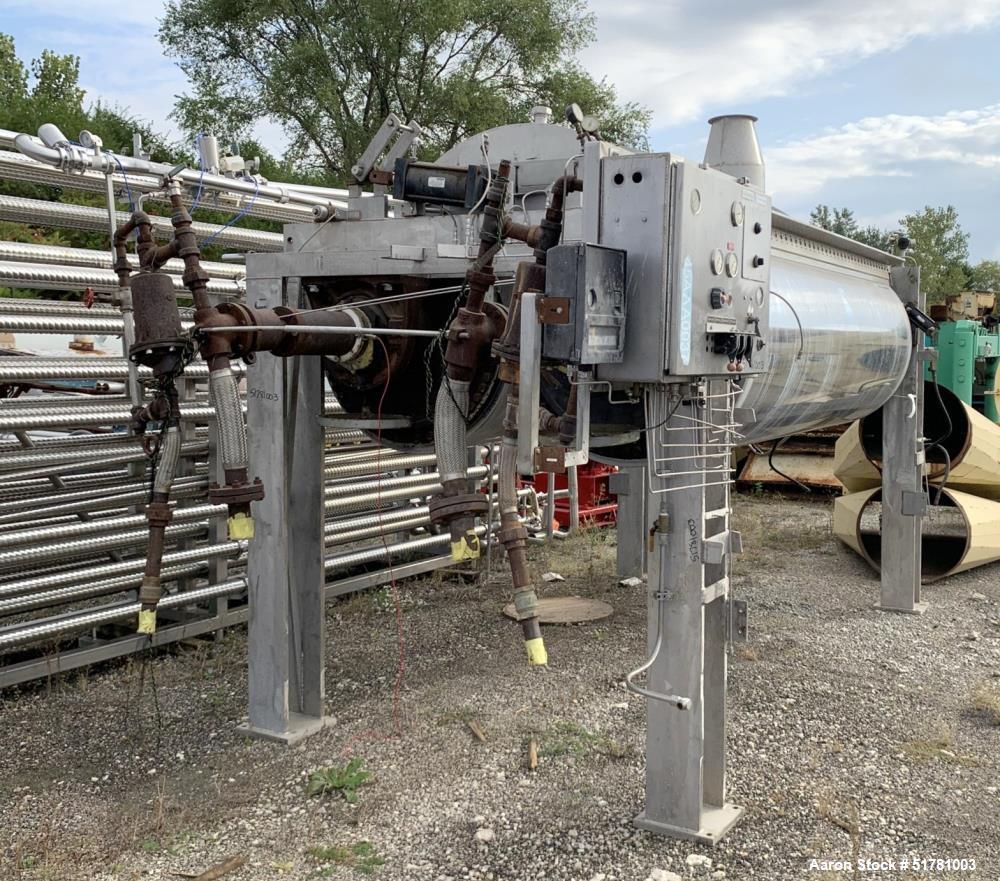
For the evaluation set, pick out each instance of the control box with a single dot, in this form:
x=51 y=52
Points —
x=697 y=281
x=584 y=304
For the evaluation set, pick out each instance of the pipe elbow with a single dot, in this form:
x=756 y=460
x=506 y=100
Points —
x=51 y=135
x=39 y=152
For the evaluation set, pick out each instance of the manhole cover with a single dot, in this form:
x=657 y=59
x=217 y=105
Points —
x=567 y=610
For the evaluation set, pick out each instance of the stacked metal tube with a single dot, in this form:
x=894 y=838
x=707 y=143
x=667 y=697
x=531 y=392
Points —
x=74 y=483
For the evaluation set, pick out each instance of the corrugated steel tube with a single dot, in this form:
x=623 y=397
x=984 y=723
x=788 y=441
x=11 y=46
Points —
x=377 y=531
x=372 y=500
x=365 y=521
x=22 y=634
x=377 y=554
x=183 y=488
x=110 y=369
x=372 y=463
x=96 y=588
x=55 y=323
x=92 y=545
x=24 y=252
x=22 y=305
x=61 y=215
x=397 y=482
x=15 y=166
x=104 y=571
x=62 y=462
x=52 y=277
x=43 y=417
x=106 y=524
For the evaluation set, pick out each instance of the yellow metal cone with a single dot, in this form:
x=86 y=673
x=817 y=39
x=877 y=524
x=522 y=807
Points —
x=850 y=464
x=962 y=532
x=974 y=444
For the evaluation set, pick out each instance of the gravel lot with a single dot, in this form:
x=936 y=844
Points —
x=853 y=733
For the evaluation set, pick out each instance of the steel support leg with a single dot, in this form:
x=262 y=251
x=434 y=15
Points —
x=903 y=497
x=285 y=565
x=688 y=605
x=629 y=485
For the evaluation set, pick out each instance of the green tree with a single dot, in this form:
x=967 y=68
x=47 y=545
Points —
x=941 y=248
x=838 y=220
x=331 y=70
x=985 y=276
x=874 y=237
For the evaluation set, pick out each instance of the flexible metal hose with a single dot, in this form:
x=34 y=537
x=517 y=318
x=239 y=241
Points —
x=167 y=458
x=450 y=409
x=507 y=479
x=225 y=397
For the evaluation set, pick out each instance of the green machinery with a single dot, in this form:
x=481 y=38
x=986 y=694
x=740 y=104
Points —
x=968 y=344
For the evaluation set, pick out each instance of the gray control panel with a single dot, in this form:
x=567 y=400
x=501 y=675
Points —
x=698 y=244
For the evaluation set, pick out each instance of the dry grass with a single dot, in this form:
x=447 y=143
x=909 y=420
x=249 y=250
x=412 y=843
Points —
x=845 y=816
x=938 y=746
x=985 y=702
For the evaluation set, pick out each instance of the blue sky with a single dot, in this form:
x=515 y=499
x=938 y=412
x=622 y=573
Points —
x=883 y=108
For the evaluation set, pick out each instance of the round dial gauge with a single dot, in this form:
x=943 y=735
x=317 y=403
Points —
x=717 y=261
x=737 y=214
x=732 y=264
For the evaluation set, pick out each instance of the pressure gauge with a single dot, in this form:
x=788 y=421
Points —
x=760 y=296
x=732 y=264
x=717 y=261
x=695 y=201
x=737 y=214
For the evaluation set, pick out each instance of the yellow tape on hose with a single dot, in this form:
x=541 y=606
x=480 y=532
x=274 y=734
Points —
x=147 y=622
x=240 y=527
x=466 y=548
x=536 y=651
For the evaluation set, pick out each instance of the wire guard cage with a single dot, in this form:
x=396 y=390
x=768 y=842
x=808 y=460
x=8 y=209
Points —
x=690 y=435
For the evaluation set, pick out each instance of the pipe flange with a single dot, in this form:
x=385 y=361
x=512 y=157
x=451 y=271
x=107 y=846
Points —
x=362 y=352
x=444 y=509
x=236 y=494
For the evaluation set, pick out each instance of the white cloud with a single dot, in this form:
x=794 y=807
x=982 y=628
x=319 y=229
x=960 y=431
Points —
x=682 y=57
x=886 y=146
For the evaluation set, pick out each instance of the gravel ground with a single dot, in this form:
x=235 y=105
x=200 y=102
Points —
x=853 y=733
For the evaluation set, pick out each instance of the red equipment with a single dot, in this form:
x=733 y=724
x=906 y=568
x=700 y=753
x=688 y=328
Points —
x=598 y=506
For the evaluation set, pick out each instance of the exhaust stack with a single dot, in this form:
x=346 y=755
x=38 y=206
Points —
x=733 y=148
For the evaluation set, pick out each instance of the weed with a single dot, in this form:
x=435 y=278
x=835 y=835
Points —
x=849 y=821
x=360 y=856
x=985 y=701
x=345 y=780
x=936 y=747
x=571 y=739
x=150 y=845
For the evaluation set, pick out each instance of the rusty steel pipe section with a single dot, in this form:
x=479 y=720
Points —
x=223 y=332
x=475 y=326
x=513 y=535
